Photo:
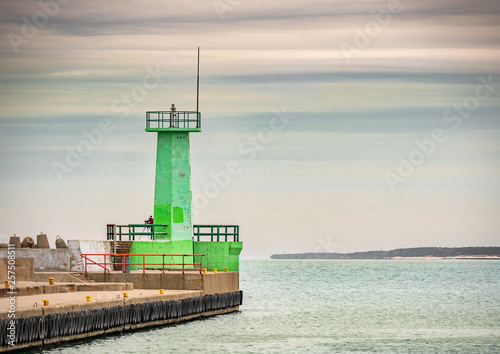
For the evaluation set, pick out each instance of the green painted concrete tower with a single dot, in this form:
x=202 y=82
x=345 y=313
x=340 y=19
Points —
x=173 y=199
x=174 y=237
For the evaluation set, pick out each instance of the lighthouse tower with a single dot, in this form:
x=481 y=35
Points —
x=173 y=234
x=172 y=203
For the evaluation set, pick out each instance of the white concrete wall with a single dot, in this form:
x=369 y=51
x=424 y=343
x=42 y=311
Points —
x=78 y=247
x=45 y=260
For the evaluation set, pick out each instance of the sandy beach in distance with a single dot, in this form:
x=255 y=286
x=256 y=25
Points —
x=456 y=257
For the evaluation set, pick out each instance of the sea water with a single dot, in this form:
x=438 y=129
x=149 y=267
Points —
x=339 y=306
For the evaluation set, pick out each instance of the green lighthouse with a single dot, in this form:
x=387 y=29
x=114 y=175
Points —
x=172 y=236
x=172 y=201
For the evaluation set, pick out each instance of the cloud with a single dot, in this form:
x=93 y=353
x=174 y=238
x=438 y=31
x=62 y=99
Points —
x=354 y=118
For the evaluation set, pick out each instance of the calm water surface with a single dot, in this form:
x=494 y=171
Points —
x=353 y=306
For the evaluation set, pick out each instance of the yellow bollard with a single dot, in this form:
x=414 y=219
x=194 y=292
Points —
x=89 y=298
x=204 y=270
x=161 y=291
x=215 y=270
x=125 y=294
x=45 y=302
x=7 y=283
x=51 y=281
x=226 y=270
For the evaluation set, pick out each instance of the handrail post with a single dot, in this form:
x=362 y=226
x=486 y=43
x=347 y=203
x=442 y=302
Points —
x=163 y=265
x=182 y=264
x=143 y=263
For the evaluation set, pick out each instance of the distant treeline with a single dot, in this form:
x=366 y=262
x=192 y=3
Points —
x=400 y=252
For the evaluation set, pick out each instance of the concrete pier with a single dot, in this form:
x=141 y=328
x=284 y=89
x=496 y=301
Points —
x=70 y=316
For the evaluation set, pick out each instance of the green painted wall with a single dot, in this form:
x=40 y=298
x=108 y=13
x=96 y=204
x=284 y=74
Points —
x=173 y=186
x=161 y=247
x=219 y=255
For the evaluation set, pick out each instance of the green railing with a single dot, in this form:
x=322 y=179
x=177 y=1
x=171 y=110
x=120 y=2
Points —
x=161 y=120
x=134 y=232
x=218 y=233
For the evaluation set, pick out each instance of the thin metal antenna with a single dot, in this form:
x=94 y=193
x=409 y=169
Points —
x=198 y=81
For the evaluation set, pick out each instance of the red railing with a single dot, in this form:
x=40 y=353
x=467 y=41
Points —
x=123 y=256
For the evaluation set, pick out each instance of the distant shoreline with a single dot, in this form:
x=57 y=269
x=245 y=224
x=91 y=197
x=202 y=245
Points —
x=420 y=253
x=456 y=257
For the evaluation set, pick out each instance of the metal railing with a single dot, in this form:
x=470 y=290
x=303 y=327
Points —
x=123 y=262
x=173 y=120
x=133 y=231
x=217 y=233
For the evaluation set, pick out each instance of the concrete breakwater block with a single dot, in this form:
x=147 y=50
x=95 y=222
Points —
x=16 y=241
x=60 y=242
x=42 y=241
x=28 y=242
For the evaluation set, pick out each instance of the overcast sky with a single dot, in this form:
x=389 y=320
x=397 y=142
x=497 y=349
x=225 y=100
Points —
x=353 y=125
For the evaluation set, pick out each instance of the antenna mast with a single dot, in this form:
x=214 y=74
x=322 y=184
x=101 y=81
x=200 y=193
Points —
x=198 y=81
